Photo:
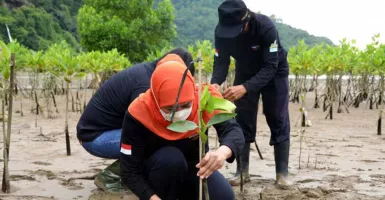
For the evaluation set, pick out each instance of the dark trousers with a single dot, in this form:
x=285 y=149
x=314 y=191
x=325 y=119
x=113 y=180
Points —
x=275 y=99
x=169 y=175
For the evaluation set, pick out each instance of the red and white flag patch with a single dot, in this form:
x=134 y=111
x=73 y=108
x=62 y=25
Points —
x=216 y=52
x=125 y=149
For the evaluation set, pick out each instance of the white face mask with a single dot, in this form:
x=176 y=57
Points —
x=178 y=116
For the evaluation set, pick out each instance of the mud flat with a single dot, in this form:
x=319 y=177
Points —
x=341 y=158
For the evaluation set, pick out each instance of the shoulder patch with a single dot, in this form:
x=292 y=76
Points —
x=216 y=52
x=274 y=47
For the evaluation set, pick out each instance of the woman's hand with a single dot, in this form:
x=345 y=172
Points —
x=213 y=161
x=154 y=197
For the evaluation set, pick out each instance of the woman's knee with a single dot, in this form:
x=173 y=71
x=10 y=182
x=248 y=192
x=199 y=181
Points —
x=169 y=157
x=219 y=187
x=104 y=146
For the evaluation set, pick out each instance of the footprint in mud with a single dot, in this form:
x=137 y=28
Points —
x=378 y=177
x=272 y=193
x=25 y=197
x=90 y=171
x=310 y=180
x=41 y=172
x=369 y=161
x=101 y=195
x=72 y=185
x=21 y=177
x=329 y=155
x=352 y=145
x=41 y=163
x=359 y=137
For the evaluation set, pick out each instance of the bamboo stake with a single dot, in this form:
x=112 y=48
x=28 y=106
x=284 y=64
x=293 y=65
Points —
x=67 y=137
x=203 y=189
x=6 y=187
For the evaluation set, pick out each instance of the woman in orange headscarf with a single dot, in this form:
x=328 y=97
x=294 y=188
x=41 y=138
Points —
x=157 y=163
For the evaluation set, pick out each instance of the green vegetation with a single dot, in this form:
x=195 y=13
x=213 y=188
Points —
x=133 y=27
x=37 y=24
x=196 y=20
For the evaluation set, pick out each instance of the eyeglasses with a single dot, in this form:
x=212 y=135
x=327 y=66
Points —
x=181 y=85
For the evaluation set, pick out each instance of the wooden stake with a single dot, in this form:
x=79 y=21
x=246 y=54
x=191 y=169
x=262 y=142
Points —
x=6 y=187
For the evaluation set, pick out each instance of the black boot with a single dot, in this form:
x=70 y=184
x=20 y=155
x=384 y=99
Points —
x=244 y=162
x=281 y=155
x=109 y=179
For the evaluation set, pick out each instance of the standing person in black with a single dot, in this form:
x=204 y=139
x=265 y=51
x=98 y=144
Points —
x=99 y=127
x=261 y=68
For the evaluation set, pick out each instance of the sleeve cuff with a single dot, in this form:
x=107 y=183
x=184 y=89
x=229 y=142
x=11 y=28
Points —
x=234 y=152
x=147 y=194
x=246 y=85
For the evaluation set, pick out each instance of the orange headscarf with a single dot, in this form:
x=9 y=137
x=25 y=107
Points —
x=165 y=82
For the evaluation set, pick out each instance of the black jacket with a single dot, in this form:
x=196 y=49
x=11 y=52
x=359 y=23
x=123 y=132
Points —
x=144 y=143
x=105 y=110
x=259 y=56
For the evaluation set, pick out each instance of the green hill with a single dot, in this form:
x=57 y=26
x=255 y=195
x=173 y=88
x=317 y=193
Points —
x=196 y=20
x=39 y=23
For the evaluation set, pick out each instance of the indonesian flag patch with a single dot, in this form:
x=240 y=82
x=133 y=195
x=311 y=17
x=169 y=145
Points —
x=216 y=52
x=125 y=149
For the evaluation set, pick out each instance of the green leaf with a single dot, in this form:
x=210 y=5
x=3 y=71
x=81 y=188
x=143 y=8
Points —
x=67 y=79
x=6 y=73
x=4 y=51
x=205 y=96
x=182 y=126
x=215 y=103
x=80 y=75
x=219 y=118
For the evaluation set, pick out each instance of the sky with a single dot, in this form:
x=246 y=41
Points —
x=334 y=19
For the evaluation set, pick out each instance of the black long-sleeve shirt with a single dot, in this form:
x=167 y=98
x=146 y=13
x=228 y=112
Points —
x=259 y=56
x=105 y=110
x=144 y=143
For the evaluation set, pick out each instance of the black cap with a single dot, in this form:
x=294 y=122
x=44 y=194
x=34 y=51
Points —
x=232 y=16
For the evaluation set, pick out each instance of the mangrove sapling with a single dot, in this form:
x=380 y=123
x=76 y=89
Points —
x=6 y=187
x=316 y=102
x=302 y=132
x=77 y=102
x=340 y=99
x=54 y=101
x=67 y=135
x=324 y=105
x=379 y=65
x=73 y=102
x=379 y=123
x=371 y=94
x=67 y=67
x=207 y=103
x=5 y=184
x=85 y=93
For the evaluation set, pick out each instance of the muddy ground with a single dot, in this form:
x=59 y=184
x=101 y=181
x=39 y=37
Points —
x=341 y=158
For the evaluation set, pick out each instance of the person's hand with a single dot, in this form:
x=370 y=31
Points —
x=234 y=93
x=213 y=161
x=154 y=197
x=217 y=87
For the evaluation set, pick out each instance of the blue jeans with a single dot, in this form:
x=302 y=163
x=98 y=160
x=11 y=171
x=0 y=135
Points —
x=107 y=145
